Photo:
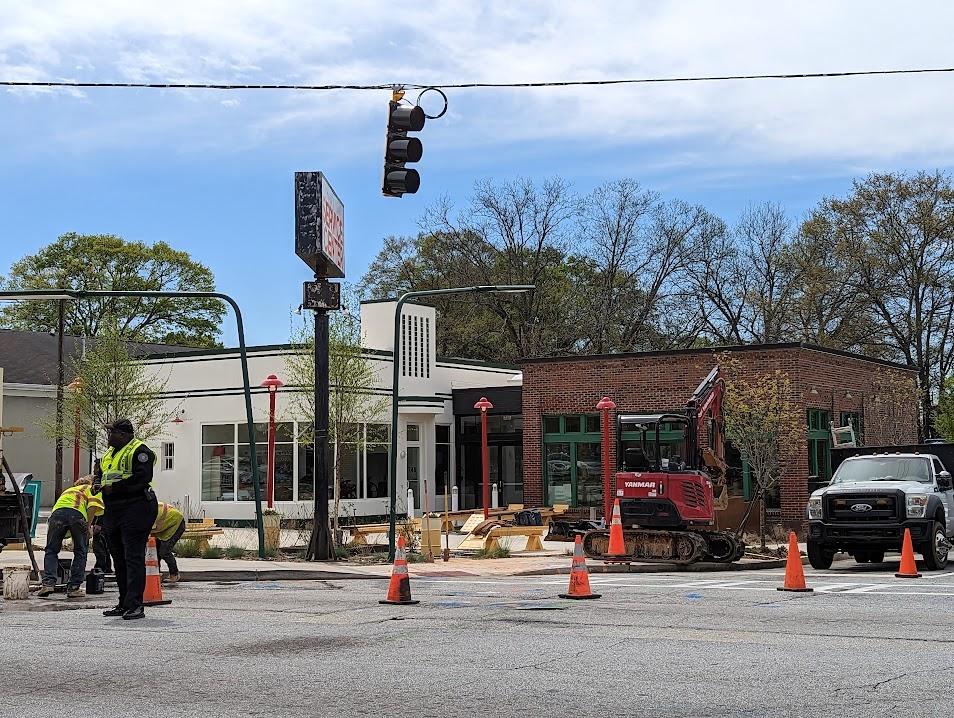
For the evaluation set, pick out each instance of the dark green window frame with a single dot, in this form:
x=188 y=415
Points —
x=819 y=445
x=571 y=438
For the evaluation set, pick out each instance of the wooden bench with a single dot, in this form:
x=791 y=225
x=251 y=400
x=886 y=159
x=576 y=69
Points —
x=201 y=532
x=491 y=539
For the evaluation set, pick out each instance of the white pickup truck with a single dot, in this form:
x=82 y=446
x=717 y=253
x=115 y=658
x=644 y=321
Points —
x=872 y=498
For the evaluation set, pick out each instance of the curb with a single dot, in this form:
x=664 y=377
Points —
x=658 y=568
x=273 y=575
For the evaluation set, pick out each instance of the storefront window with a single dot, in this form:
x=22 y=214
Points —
x=573 y=451
x=559 y=482
x=442 y=462
x=363 y=456
x=819 y=450
x=218 y=463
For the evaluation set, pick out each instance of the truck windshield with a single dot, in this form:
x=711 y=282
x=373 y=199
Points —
x=884 y=468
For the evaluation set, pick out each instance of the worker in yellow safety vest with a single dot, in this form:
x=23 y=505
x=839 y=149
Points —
x=168 y=529
x=72 y=512
x=124 y=475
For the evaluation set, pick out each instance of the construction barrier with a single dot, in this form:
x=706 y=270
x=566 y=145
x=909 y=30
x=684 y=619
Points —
x=152 y=596
x=399 y=589
x=617 y=546
x=794 y=573
x=579 y=575
x=909 y=567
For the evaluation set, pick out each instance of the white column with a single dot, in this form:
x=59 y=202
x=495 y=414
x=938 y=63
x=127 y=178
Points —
x=410 y=503
x=455 y=499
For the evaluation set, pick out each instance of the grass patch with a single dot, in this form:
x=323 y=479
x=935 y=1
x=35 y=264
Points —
x=271 y=552
x=213 y=552
x=235 y=552
x=187 y=548
x=497 y=552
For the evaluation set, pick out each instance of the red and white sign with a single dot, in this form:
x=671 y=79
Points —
x=332 y=226
x=319 y=225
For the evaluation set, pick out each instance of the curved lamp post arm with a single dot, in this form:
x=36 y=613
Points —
x=74 y=294
x=396 y=378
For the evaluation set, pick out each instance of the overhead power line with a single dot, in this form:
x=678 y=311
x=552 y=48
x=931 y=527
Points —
x=470 y=85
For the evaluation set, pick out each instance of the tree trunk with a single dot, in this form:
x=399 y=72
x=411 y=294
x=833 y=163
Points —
x=762 y=520
x=337 y=491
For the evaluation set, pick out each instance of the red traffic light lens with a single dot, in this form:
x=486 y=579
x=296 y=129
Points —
x=406 y=118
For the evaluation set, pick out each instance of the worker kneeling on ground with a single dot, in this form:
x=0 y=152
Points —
x=168 y=529
x=124 y=475
x=72 y=513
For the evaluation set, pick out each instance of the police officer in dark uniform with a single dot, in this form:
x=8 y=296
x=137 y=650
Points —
x=124 y=476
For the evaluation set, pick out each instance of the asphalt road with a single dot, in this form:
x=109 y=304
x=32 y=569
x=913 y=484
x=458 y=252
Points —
x=863 y=644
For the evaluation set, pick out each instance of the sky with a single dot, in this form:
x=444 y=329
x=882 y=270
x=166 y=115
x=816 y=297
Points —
x=212 y=172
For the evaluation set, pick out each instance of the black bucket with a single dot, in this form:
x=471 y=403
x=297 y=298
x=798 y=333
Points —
x=95 y=583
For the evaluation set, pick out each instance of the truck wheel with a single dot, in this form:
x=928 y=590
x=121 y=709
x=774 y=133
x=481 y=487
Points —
x=876 y=556
x=935 y=550
x=818 y=556
x=862 y=556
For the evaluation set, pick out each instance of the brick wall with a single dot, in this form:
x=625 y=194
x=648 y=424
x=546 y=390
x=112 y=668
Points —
x=664 y=381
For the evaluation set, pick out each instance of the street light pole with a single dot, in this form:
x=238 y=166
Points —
x=76 y=386
x=60 y=371
x=606 y=405
x=484 y=407
x=76 y=294
x=273 y=384
x=396 y=378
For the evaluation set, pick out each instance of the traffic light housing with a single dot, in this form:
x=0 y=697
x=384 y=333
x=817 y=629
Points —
x=401 y=148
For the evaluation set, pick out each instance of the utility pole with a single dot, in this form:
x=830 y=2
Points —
x=60 y=379
x=319 y=242
x=321 y=547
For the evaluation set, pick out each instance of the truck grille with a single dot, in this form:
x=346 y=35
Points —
x=885 y=506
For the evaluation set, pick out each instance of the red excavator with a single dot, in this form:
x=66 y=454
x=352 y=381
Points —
x=667 y=489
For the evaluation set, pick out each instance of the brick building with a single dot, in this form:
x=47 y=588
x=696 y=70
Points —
x=561 y=439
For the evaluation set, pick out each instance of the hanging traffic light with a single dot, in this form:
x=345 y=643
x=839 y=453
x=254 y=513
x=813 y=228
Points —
x=401 y=148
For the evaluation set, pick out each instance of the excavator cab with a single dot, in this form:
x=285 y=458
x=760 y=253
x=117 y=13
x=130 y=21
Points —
x=667 y=484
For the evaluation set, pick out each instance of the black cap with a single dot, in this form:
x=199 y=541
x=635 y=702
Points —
x=121 y=425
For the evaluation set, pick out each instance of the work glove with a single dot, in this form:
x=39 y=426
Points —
x=97 y=485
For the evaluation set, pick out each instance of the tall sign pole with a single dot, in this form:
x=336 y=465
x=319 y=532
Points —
x=319 y=242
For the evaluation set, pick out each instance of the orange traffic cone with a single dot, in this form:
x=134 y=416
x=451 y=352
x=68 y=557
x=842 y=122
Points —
x=399 y=590
x=579 y=576
x=617 y=547
x=794 y=574
x=909 y=567
x=152 y=596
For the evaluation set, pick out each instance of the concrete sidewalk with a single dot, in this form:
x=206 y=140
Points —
x=199 y=569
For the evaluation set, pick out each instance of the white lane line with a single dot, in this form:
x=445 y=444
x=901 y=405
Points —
x=834 y=587
x=880 y=589
x=867 y=589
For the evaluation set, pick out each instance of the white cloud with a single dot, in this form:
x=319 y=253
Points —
x=853 y=122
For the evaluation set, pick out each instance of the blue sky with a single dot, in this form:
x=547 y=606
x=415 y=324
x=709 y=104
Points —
x=212 y=172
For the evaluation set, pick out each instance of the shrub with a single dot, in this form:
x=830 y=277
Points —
x=187 y=548
x=271 y=552
x=234 y=551
x=497 y=552
x=213 y=552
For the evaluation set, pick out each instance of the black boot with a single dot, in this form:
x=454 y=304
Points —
x=113 y=612
x=133 y=613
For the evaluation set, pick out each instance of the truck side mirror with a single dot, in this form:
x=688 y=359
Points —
x=944 y=481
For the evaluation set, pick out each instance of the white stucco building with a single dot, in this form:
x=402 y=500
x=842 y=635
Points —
x=204 y=455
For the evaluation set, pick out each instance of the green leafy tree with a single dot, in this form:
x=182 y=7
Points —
x=351 y=377
x=896 y=235
x=764 y=422
x=945 y=410
x=112 y=384
x=107 y=262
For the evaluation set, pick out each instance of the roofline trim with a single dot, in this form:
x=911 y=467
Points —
x=780 y=346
